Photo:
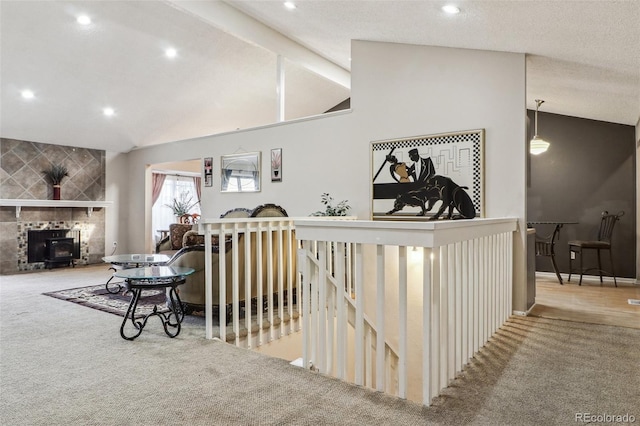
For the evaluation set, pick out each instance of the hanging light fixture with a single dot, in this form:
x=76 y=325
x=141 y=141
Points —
x=537 y=144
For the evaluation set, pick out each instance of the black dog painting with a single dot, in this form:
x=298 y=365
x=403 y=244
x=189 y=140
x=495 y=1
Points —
x=437 y=188
x=414 y=177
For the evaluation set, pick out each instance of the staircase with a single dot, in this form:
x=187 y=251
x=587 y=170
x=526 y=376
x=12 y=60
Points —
x=382 y=299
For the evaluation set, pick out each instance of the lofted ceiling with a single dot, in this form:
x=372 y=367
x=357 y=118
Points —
x=583 y=59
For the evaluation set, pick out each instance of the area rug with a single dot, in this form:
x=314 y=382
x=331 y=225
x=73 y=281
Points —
x=97 y=297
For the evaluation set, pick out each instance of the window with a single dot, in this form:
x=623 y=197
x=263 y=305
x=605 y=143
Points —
x=162 y=216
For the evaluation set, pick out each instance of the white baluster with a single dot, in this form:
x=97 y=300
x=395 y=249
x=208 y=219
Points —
x=222 y=282
x=427 y=359
x=359 y=326
x=208 y=284
x=280 y=276
x=380 y=308
x=402 y=318
x=236 y=285
x=341 y=320
x=259 y=281
x=247 y=281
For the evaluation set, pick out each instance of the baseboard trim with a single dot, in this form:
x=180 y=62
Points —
x=587 y=278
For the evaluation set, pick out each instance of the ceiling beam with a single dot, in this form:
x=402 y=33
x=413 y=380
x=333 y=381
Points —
x=231 y=20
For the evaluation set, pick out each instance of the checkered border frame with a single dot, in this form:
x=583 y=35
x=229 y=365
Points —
x=476 y=137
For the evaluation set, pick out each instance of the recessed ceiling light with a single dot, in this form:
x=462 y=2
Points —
x=289 y=5
x=108 y=111
x=28 y=94
x=171 y=52
x=83 y=20
x=451 y=9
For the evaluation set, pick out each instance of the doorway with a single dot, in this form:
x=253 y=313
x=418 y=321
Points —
x=176 y=188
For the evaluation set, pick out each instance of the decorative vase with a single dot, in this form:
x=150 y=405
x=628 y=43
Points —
x=56 y=192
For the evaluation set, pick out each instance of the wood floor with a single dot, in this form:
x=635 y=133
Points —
x=590 y=302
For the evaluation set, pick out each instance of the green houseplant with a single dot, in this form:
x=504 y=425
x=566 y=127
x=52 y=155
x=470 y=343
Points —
x=55 y=174
x=182 y=204
x=341 y=209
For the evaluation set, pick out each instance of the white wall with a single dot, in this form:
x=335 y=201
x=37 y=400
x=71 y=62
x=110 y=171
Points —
x=406 y=90
x=397 y=91
x=193 y=166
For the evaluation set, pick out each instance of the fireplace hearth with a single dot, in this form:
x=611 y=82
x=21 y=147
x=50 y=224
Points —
x=54 y=247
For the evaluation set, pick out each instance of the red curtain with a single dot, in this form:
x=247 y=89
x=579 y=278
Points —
x=157 y=182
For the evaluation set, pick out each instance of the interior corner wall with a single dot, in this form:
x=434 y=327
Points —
x=638 y=198
x=397 y=91
x=117 y=223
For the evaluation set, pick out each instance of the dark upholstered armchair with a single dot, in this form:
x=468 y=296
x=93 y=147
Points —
x=174 y=241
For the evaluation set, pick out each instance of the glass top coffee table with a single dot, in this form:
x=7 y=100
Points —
x=150 y=278
x=126 y=261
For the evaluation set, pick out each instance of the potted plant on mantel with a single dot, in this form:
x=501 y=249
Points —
x=54 y=175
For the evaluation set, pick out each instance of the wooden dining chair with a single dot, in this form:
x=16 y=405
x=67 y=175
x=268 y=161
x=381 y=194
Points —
x=605 y=233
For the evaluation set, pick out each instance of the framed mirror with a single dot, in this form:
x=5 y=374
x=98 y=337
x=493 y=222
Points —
x=240 y=172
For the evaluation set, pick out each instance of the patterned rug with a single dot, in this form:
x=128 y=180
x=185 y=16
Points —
x=97 y=297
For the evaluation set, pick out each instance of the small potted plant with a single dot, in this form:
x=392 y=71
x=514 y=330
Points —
x=55 y=174
x=341 y=209
x=182 y=205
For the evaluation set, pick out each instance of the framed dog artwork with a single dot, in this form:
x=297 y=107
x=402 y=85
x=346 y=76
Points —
x=428 y=177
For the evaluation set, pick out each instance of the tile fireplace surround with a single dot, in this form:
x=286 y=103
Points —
x=25 y=199
x=15 y=224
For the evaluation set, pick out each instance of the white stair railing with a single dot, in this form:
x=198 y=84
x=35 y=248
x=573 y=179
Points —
x=426 y=297
x=261 y=253
x=260 y=273
x=330 y=311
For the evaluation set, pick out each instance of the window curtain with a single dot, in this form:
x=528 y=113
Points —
x=196 y=182
x=157 y=182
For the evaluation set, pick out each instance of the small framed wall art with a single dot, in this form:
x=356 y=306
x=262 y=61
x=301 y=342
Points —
x=276 y=165
x=208 y=171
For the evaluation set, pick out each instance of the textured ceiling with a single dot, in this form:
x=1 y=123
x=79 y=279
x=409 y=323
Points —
x=583 y=56
x=583 y=60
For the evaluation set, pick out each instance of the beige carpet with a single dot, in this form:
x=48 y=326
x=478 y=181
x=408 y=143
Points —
x=64 y=364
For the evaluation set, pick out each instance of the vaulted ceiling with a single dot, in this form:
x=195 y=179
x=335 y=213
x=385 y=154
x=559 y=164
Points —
x=583 y=59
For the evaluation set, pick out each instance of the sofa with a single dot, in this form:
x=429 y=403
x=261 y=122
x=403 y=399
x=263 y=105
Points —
x=192 y=293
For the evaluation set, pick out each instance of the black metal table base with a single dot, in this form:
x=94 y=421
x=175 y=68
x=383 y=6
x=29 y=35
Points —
x=115 y=287
x=171 y=320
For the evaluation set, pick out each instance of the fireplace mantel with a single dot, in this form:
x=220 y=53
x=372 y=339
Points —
x=89 y=205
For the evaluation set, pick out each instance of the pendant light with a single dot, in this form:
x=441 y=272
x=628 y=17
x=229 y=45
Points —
x=537 y=144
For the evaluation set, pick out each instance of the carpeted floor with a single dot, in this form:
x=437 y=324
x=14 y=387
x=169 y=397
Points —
x=63 y=364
